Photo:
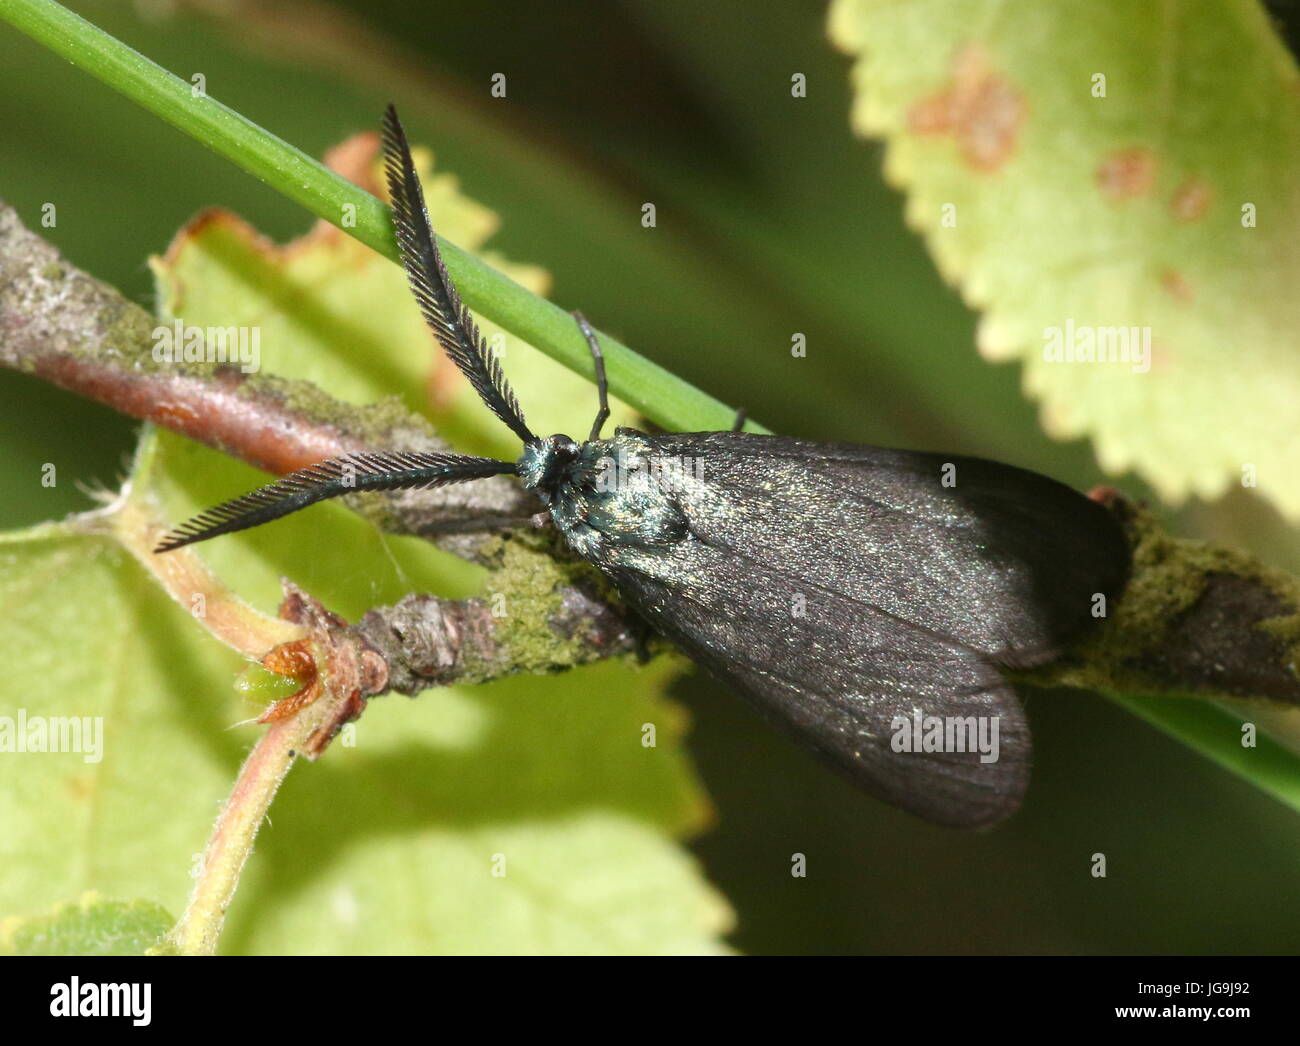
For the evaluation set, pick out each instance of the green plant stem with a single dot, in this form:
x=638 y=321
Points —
x=1216 y=733
x=652 y=390
x=199 y=928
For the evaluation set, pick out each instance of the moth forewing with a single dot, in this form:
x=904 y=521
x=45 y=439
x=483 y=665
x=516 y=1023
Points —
x=915 y=716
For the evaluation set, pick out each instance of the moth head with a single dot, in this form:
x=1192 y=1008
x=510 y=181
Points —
x=544 y=463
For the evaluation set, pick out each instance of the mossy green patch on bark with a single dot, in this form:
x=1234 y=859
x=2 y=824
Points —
x=531 y=570
x=1170 y=582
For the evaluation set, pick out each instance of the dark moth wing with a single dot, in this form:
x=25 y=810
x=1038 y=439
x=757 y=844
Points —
x=1004 y=561
x=843 y=588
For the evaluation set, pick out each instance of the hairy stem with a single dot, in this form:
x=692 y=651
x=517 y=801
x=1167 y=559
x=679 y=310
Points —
x=231 y=843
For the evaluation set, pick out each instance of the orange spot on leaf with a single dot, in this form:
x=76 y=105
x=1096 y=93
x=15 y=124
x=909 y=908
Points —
x=1126 y=173
x=1176 y=285
x=1191 y=200
x=978 y=108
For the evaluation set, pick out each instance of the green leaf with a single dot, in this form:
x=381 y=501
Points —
x=387 y=844
x=93 y=926
x=527 y=815
x=1165 y=206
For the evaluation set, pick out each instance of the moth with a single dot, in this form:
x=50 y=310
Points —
x=866 y=600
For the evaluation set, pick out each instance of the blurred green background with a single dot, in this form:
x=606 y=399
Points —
x=772 y=218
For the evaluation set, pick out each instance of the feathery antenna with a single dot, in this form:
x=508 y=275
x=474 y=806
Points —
x=389 y=470
x=443 y=310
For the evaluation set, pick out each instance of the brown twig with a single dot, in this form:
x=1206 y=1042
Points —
x=64 y=326
x=424 y=641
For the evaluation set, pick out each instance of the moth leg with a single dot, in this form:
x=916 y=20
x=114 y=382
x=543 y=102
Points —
x=602 y=385
x=739 y=423
x=643 y=634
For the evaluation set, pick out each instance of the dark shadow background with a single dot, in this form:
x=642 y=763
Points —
x=772 y=219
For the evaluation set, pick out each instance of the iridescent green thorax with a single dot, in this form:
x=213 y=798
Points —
x=545 y=463
x=604 y=492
